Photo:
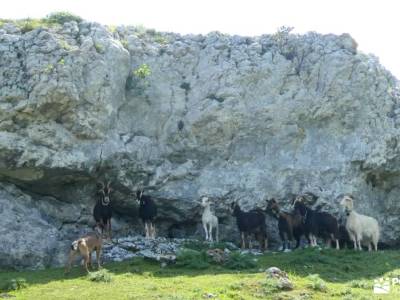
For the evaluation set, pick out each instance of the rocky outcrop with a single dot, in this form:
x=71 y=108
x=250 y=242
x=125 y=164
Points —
x=229 y=117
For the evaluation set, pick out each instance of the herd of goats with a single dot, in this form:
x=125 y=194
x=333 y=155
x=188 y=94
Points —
x=302 y=221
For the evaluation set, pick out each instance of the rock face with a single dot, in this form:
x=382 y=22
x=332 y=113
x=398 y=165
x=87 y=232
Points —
x=230 y=117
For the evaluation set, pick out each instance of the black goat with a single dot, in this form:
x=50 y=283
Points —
x=102 y=211
x=290 y=225
x=318 y=224
x=147 y=212
x=251 y=222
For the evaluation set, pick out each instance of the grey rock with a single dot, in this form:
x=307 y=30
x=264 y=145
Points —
x=231 y=117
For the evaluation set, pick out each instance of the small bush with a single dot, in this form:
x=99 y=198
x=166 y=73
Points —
x=361 y=284
x=142 y=72
x=238 y=261
x=13 y=285
x=100 y=276
x=316 y=283
x=99 y=48
x=124 y=43
x=271 y=285
x=192 y=259
x=26 y=25
x=62 y=17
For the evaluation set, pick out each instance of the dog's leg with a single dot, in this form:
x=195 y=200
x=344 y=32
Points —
x=72 y=254
x=90 y=260
x=98 y=253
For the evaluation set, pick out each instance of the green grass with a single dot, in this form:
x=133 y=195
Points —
x=339 y=275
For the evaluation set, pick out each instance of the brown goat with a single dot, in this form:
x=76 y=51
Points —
x=85 y=246
x=290 y=225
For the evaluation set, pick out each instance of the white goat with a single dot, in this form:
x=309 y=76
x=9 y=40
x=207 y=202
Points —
x=362 y=229
x=209 y=220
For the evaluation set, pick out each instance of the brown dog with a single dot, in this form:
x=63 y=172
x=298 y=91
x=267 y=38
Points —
x=85 y=246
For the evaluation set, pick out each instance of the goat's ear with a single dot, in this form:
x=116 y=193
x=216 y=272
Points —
x=100 y=185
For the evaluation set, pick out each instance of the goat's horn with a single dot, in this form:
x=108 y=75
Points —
x=108 y=184
x=101 y=183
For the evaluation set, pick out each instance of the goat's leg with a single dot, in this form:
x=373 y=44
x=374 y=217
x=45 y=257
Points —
x=210 y=232
x=250 y=243
x=242 y=236
x=369 y=247
x=358 y=239
x=337 y=244
x=151 y=234
x=328 y=242
x=109 y=228
x=311 y=239
x=146 y=229
x=205 y=230
x=153 y=230
x=217 y=233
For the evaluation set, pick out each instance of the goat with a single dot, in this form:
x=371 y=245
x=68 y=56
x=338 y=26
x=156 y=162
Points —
x=250 y=222
x=102 y=211
x=85 y=246
x=317 y=224
x=209 y=220
x=147 y=212
x=362 y=229
x=290 y=225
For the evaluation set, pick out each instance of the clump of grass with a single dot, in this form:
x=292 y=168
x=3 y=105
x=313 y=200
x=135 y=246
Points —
x=271 y=285
x=238 y=261
x=142 y=71
x=192 y=259
x=62 y=17
x=99 y=48
x=13 y=284
x=316 y=283
x=124 y=43
x=100 y=276
x=361 y=284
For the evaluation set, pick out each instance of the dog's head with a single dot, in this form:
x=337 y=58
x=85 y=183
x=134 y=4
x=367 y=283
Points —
x=74 y=245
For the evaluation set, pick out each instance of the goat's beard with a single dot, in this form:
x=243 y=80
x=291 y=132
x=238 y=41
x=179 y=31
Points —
x=105 y=201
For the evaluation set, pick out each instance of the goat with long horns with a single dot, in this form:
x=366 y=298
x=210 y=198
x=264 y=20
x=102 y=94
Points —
x=102 y=211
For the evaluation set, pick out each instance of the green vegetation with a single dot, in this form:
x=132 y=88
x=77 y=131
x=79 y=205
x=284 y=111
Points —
x=62 y=17
x=99 y=48
x=343 y=274
x=100 y=276
x=142 y=71
x=51 y=20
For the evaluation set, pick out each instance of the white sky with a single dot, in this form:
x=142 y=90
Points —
x=374 y=24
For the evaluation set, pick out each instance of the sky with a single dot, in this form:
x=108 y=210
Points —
x=373 y=24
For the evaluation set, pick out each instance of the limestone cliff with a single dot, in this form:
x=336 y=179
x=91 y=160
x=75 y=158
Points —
x=230 y=117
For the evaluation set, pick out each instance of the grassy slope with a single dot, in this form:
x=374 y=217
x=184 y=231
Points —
x=138 y=279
